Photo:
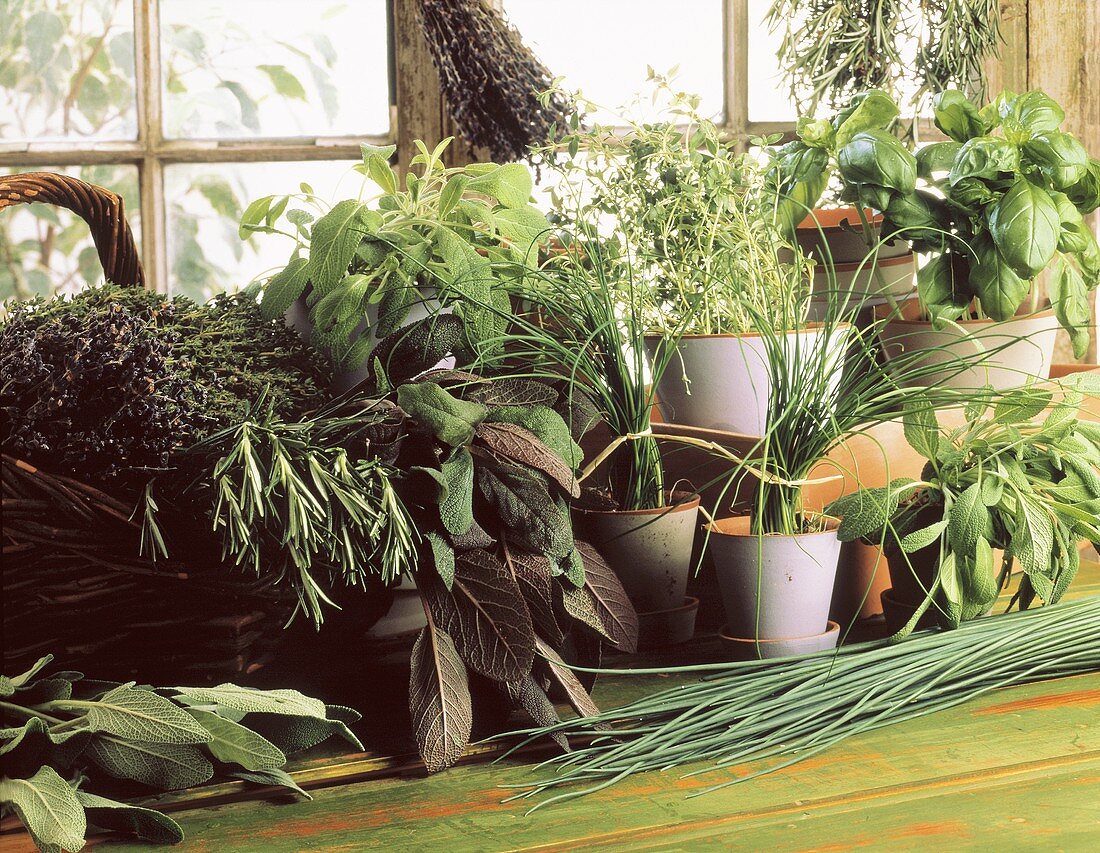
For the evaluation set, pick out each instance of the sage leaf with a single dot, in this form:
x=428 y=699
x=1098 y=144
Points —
x=527 y=694
x=616 y=614
x=968 y=519
x=523 y=446
x=139 y=715
x=526 y=508
x=251 y=700
x=443 y=556
x=510 y=184
x=439 y=699
x=294 y=733
x=48 y=807
x=566 y=679
x=532 y=573
x=485 y=615
x=167 y=766
x=450 y=419
x=457 y=509
x=922 y=538
x=335 y=238
x=235 y=744
x=274 y=778
x=145 y=824
x=284 y=288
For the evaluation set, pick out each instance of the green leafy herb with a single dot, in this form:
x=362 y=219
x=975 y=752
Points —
x=163 y=738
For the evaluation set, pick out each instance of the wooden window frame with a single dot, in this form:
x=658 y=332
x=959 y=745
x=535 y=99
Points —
x=151 y=152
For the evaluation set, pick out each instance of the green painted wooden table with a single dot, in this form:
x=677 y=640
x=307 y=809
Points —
x=1016 y=770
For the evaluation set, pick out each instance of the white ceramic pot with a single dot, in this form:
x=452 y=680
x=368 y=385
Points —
x=1016 y=351
x=405 y=616
x=649 y=549
x=297 y=318
x=723 y=382
x=774 y=587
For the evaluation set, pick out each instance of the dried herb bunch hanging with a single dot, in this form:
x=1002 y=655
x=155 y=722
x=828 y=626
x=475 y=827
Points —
x=490 y=78
x=833 y=49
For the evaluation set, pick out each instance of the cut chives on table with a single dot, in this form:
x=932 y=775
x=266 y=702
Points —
x=799 y=707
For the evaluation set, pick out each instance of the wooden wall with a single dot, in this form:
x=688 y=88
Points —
x=1054 y=45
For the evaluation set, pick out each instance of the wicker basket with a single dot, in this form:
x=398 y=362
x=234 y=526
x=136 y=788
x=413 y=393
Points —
x=73 y=581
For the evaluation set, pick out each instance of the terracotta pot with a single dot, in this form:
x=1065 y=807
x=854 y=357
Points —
x=774 y=587
x=859 y=284
x=649 y=549
x=898 y=613
x=728 y=383
x=841 y=231
x=1017 y=351
x=861 y=576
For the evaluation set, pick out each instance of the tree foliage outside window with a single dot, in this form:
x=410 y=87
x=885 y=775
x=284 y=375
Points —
x=67 y=75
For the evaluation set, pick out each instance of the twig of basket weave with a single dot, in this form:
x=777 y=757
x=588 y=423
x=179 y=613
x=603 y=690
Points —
x=100 y=208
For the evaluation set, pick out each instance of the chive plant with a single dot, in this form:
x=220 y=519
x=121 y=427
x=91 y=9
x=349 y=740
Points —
x=786 y=711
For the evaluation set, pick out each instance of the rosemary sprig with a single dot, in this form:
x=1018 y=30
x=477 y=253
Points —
x=291 y=501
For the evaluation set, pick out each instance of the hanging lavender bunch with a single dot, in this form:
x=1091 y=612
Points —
x=491 y=79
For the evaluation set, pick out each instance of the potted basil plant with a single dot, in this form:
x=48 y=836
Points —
x=1021 y=475
x=999 y=205
x=364 y=269
x=854 y=261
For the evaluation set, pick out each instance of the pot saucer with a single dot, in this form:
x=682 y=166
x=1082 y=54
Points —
x=660 y=628
x=738 y=648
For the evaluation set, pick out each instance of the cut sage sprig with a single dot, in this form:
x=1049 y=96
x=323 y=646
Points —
x=62 y=733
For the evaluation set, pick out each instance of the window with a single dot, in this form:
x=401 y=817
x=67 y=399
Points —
x=188 y=109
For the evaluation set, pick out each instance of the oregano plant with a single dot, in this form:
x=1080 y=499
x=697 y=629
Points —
x=65 y=736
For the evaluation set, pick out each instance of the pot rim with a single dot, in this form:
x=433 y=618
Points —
x=832 y=524
x=809 y=327
x=884 y=311
x=812 y=221
x=831 y=628
x=852 y=266
x=684 y=506
x=690 y=603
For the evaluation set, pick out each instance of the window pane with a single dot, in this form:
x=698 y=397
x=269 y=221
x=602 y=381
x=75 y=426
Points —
x=603 y=48
x=205 y=202
x=769 y=95
x=45 y=250
x=67 y=70
x=237 y=68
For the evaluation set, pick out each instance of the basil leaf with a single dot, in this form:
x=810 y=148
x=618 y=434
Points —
x=936 y=157
x=878 y=158
x=986 y=157
x=1069 y=296
x=875 y=111
x=956 y=116
x=1028 y=115
x=942 y=286
x=1060 y=157
x=1024 y=224
x=1000 y=290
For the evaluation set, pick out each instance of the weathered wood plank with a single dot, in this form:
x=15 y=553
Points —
x=947 y=756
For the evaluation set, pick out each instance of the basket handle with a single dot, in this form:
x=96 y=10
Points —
x=100 y=208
